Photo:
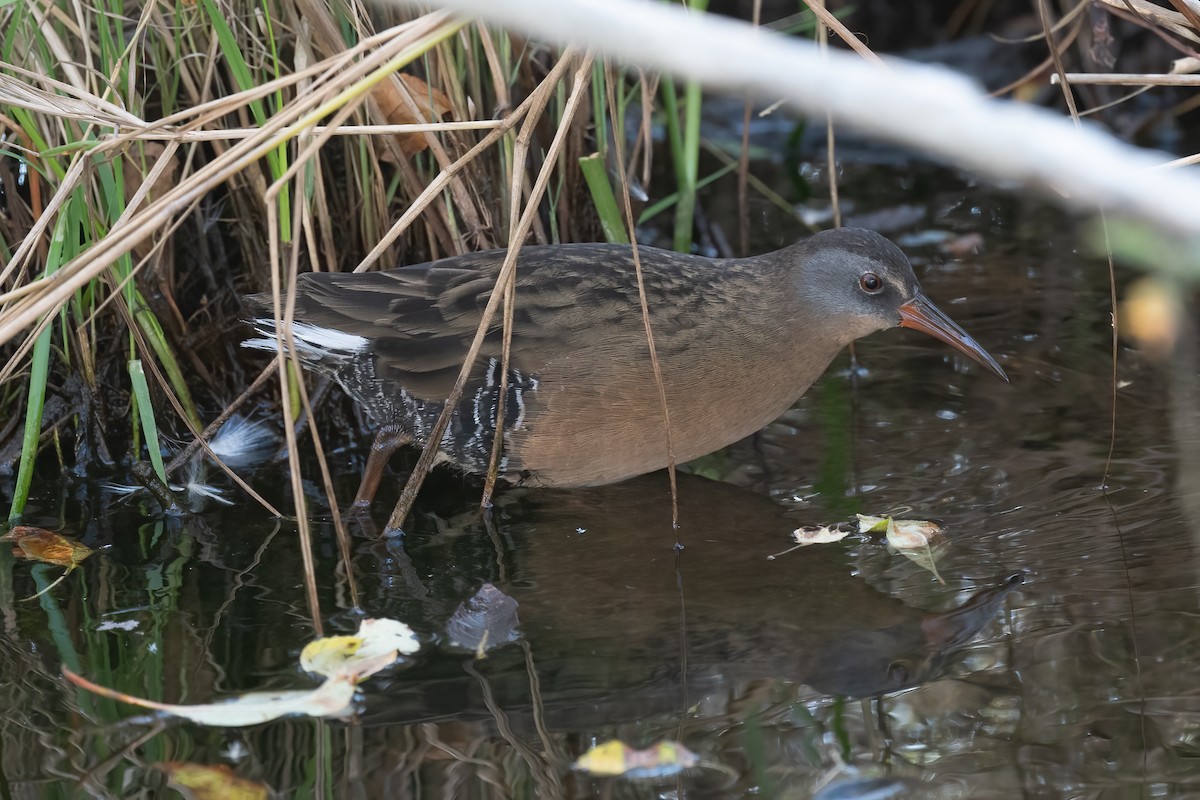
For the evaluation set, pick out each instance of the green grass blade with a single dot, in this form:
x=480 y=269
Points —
x=137 y=378
x=685 y=209
x=62 y=248
x=39 y=367
x=685 y=147
x=157 y=339
x=596 y=175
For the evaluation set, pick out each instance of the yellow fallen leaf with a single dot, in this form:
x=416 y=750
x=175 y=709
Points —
x=329 y=654
x=377 y=640
x=604 y=759
x=211 y=782
x=615 y=758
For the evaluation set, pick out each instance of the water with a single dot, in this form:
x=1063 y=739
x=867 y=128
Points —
x=842 y=669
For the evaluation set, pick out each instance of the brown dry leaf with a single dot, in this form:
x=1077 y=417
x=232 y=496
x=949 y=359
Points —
x=614 y=758
x=432 y=105
x=46 y=546
x=211 y=782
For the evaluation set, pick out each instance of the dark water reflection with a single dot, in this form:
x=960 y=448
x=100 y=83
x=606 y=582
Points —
x=1081 y=682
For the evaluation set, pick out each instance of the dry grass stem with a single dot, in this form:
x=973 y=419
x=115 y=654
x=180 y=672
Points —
x=425 y=462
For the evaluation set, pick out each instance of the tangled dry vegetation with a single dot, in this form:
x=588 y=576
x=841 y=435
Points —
x=164 y=162
x=160 y=161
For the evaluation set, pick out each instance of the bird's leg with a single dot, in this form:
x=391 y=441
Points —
x=388 y=439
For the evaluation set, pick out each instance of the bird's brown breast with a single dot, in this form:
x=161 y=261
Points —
x=597 y=416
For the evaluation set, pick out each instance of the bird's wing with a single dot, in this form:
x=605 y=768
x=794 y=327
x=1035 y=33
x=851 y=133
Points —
x=420 y=320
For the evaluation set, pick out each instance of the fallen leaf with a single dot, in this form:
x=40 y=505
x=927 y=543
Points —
x=921 y=531
x=40 y=544
x=377 y=640
x=431 y=105
x=487 y=620
x=820 y=535
x=329 y=699
x=343 y=660
x=913 y=542
x=615 y=758
x=211 y=782
x=329 y=655
x=908 y=534
x=48 y=547
x=918 y=540
x=869 y=524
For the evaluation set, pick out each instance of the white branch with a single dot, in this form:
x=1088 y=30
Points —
x=923 y=107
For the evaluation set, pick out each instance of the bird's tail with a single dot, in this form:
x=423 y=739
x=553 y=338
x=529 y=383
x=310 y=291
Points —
x=323 y=349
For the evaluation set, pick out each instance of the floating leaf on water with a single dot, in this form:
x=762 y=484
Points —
x=211 y=782
x=377 y=643
x=329 y=699
x=46 y=546
x=919 y=532
x=914 y=544
x=869 y=524
x=39 y=544
x=329 y=655
x=487 y=620
x=615 y=758
x=822 y=534
x=343 y=660
x=916 y=539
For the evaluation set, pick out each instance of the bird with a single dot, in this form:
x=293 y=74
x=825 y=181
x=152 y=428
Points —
x=737 y=341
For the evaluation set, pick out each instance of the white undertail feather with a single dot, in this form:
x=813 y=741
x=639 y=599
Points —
x=244 y=442
x=241 y=442
x=195 y=475
x=312 y=341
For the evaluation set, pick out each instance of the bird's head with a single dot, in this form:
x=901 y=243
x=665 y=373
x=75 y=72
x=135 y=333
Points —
x=855 y=282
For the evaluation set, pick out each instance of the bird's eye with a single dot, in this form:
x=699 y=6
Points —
x=897 y=672
x=870 y=283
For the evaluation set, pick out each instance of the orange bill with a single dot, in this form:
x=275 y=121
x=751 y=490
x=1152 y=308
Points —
x=922 y=315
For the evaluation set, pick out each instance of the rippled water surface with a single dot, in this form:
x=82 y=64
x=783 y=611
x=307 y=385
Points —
x=1057 y=659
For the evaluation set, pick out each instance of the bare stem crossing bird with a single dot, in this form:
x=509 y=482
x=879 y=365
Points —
x=738 y=341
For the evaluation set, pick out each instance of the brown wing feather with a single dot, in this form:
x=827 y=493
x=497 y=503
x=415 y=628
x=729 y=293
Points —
x=421 y=319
